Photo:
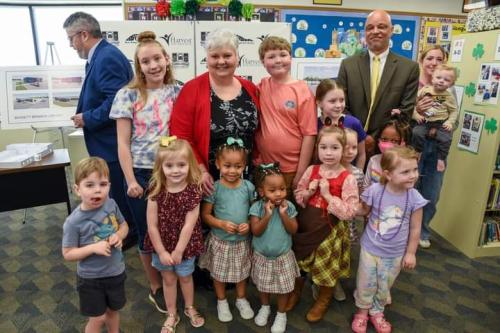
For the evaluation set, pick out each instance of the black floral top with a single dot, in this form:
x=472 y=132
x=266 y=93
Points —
x=237 y=118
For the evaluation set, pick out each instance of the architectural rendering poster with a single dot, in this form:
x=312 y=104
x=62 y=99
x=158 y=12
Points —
x=176 y=36
x=250 y=35
x=42 y=96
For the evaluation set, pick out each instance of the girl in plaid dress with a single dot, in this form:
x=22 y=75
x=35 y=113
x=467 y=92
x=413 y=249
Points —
x=329 y=196
x=228 y=245
x=272 y=220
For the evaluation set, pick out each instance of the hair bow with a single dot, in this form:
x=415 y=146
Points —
x=275 y=166
x=165 y=141
x=232 y=141
x=329 y=122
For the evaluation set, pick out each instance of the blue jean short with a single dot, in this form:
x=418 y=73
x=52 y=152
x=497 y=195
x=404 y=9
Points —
x=185 y=268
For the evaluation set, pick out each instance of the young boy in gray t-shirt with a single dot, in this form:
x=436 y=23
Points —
x=92 y=235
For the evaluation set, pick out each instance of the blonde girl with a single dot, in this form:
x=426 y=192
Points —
x=174 y=228
x=273 y=222
x=228 y=256
x=330 y=97
x=390 y=238
x=328 y=194
x=142 y=111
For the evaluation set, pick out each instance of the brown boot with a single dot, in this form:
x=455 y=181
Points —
x=320 y=307
x=294 y=296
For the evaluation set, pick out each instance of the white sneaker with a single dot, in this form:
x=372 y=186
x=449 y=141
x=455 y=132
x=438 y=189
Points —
x=263 y=315
x=279 y=325
x=223 y=312
x=424 y=243
x=244 y=307
x=338 y=292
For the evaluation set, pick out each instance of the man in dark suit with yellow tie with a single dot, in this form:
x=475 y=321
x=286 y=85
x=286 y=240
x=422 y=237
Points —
x=378 y=81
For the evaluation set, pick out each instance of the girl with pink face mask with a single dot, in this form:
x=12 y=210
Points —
x=393 y=133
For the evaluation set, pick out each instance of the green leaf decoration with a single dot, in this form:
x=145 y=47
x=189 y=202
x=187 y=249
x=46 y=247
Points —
x=177 y=8
x=235 y=8
x=470 y=89
x=192 y=7
x=478 y=51
x=491 y=125
x=201 y=2
x=247 y=11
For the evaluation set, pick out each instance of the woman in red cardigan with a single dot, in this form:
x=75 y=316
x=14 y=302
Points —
x=216 y=105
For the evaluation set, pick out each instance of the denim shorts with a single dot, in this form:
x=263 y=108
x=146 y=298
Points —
x=185 y=268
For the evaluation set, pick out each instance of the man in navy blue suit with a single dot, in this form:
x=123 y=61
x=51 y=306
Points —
x=106 y=71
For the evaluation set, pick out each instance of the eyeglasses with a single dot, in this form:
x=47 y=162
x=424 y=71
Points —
x=70 y=38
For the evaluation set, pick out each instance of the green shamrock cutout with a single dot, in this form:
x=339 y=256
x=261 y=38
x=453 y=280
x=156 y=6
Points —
x=470 y=90
x=491 y=125
x=478 y=51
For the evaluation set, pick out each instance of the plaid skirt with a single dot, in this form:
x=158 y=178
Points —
x=275 y=276
x=331 y=260
x=228 y=262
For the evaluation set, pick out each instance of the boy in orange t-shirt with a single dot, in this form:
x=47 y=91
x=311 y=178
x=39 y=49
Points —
x=288 y=118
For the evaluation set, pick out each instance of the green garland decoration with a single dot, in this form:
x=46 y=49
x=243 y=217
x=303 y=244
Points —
x=247 y=11
x=192 y=7
x=177 y=8
x=235 y=7
x=201 y=2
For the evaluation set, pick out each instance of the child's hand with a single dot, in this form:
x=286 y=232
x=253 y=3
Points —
x=102 y=248
x=115 y=240
x=419 y=118
x=324 y=186
x=176 y=257
x=268 y=208
x=447 y=126
x=166 y=259
x=229 y=227
x=409 y=261
x=283 y=207
x=313 y=185
x=243 y=229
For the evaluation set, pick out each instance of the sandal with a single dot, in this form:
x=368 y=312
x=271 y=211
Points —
x=196 y=319
x=380 y=323
x=169 y=328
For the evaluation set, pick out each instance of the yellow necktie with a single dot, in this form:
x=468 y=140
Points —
x=374 y=79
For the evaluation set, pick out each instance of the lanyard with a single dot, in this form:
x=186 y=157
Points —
x=402 y=218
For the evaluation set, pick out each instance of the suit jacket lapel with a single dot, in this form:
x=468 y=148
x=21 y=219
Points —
x=101 y=44
x=385 y=80
x=364 y=70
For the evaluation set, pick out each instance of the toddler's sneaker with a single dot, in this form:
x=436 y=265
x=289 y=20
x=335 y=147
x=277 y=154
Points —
x=263 y=315
x=223 y=312
x=279 y=325
x=244 y=307
x=359 y=323
x=381 y=325
x=424 y=243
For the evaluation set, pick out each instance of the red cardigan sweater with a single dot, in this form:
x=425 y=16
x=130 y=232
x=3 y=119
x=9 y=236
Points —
x=191 y=116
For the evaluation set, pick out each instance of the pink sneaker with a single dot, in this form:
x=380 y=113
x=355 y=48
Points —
x=359 y=323
x=381 y=325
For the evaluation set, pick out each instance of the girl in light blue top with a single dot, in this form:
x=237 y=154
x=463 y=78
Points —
x=273 y=222
x=228 y=255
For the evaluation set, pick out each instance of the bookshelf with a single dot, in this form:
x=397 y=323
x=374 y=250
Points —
x=471 y=188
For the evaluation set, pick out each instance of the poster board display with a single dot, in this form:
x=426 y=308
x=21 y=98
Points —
x=316 y=32
x=250 y=35
x=439 y=31
x=39 y=96
x=176 y=36
x=313 y=70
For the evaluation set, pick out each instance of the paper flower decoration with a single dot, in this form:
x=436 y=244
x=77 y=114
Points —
x=177 y=7
x=235 y=8
x=470 y=90
x=192 y=7
x=491 y=125
x=247 y=11
x=162 y=8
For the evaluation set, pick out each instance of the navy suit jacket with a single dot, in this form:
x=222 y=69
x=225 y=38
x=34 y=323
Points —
x=108 y=71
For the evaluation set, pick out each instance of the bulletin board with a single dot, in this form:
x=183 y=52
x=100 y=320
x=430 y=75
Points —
x=439 y=30
x=313 y=33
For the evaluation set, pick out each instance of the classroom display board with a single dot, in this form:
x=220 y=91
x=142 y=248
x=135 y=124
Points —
x=39 y=96
x=250 y=35
x=314 y=33
x=439 y=31
x=176 y=37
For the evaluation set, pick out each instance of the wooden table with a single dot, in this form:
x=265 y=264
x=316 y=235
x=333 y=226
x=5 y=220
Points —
x=40 y=183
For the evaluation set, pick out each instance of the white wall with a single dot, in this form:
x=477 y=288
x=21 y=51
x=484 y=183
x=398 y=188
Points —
x=447 y=7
